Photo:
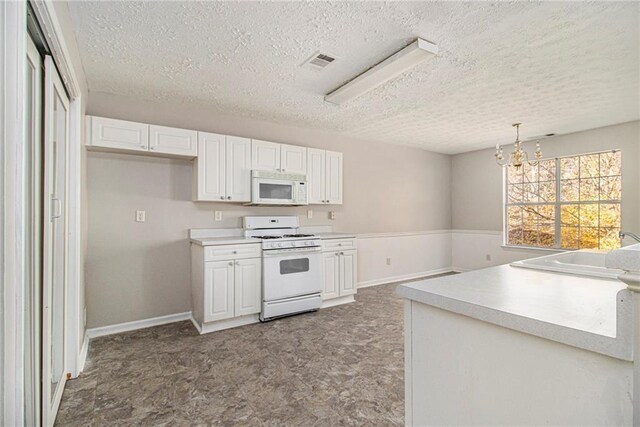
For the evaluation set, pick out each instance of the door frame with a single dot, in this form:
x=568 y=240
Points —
x=13 y=47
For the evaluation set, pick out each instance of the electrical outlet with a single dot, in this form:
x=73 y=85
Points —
x=309 y=214
x=218 y=215
x=388 y=261
x=488 y=257
x=141 y=216
x=332 y=215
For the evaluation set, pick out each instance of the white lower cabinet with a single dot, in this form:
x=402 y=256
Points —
x=247 y=286
x=225 y=293
x=218 y=290
x=339 y=270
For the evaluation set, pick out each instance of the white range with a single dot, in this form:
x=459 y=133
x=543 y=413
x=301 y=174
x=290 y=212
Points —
x=291 y=266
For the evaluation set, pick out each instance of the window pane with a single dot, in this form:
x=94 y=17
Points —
x=590 y=166
x=515 y=236
x=514 y=175
x=610 y=215
x=589 y=189
x=570 y=215
x=547 y=191
x=569 y=190
x=515 y=193
x=546 y=214
x=569 y=237
x=547 y=236
x=610 y=164
x=589 y=215
x=530 y=217
x=609 y=238
x=588 y=238
x=530 y=193
x=547 y=170
x=530 y=236
x=530 y=173
x=611 y=188
x=569 y=168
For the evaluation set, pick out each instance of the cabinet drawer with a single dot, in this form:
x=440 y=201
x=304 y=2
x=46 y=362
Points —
x=335 y=244
x=216 y=253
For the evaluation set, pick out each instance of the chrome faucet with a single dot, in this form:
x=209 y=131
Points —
x=635 y=237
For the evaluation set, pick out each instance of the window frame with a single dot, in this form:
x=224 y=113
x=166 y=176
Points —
x=557 y=203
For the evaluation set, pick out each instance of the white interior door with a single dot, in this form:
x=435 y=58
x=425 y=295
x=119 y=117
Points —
x=54 y=290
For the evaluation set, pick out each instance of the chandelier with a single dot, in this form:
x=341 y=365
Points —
x=518 y=156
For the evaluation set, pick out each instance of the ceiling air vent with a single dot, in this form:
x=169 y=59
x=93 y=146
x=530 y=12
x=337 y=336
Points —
x=318 y=61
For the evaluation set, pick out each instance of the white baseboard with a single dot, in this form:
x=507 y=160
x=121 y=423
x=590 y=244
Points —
x=82 y=357
x=404 y=277
x=137 y=324
x=225 y=324
x=460 y=269
x=337 y=301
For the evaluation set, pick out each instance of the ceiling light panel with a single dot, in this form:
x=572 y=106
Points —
x=396 y=64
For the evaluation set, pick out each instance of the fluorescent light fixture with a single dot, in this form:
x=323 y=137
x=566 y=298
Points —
x=396 y=64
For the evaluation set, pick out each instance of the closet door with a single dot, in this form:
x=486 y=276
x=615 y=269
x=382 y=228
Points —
x=54 y=290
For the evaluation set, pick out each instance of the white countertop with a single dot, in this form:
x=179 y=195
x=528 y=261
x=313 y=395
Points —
x=589 y=313
x=238 y=240
x=230 y=240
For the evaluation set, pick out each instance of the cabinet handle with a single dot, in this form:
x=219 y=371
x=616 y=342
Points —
x=230 y=262
x=228 y=197
x=235 y=252
x=237 y=262
x=339 y=244
x=341 y=253
x=221 y=197
x=143 y=146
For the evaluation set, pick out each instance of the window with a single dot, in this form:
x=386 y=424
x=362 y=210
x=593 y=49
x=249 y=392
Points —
x=566 y=203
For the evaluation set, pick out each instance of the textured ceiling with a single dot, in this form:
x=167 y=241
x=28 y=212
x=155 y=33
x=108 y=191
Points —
x=558 y=67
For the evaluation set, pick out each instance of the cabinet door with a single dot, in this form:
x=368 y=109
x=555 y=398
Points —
x=265 y=155
x=293 y=159
x=333 y=188
x=175 y=141
x=316 y=175
x=112 y=133
x=331 y=270
x=210 y=167
x=248 y=284
x=348 y=270
x=218 y=290
x=238 y=164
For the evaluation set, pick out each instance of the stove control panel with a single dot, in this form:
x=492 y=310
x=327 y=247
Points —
x=286 y=244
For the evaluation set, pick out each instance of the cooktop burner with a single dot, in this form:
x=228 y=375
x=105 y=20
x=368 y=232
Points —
x=282 y=235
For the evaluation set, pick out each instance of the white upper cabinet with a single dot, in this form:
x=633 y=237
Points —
x=293 y=159
x=210 y=167
x=316 y=175
x=166 y=140
x=118 y=134
x=223 y=168
x=333 y=186
x=324 y=176
x=265 y=155
x=238 y=169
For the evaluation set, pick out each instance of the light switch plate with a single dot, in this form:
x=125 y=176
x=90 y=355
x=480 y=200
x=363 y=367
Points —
x=218 y=215
x=141 y=216
x=332 y=215
x=309 y=214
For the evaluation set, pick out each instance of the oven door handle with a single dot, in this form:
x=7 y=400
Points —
x=296 y=251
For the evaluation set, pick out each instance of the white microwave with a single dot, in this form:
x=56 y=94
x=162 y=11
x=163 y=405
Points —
x=275 y=188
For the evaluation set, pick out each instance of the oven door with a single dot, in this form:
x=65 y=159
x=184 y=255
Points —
x=267 y=191
x=288 y=274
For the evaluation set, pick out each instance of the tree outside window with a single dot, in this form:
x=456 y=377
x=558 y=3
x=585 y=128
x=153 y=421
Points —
x=566 y=203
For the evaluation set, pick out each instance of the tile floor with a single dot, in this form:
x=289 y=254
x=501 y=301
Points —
x=338 y=366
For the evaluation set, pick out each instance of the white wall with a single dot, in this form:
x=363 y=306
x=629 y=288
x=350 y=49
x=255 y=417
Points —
x=141 y=270
x=410 y=255
x=477 y=191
